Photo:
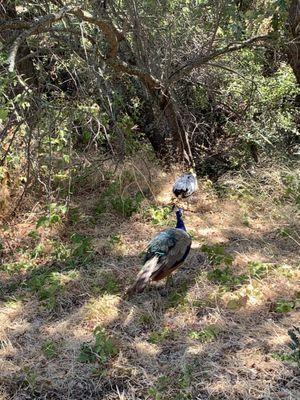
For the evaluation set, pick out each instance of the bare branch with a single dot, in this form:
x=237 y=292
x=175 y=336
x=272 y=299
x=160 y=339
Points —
x=17 y=24
x=203 y=59
x=35 y=28
x=112 y=34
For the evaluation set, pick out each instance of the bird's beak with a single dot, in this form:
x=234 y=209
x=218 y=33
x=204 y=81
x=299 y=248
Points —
x=174 y=207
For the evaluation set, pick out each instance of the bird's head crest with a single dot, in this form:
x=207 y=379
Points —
x=178 y=211
x=192 y=171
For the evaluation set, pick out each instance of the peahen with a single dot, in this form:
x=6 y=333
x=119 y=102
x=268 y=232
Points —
x=165 y=253
x=185 y=185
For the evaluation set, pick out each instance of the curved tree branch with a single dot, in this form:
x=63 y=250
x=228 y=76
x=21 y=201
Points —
x=35 y=28
x=203 y=59
x=112 y=34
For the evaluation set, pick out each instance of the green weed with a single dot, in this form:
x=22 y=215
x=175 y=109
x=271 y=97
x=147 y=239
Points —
x=124 y=204
x=157 y=337
x=81 y=246
x=49 y=349
x=294 y=345
x=159 y=215
x=101 y=351
x=16 y=267
x=291 y=183
x=226 y=279
x=258 y=269
x=30 y=378
x=74 y=215
x=284 y=306
x=146 y=319
x=286 y=232
x=206 y=335
x=115 y=239
x=178 y=298
x=161 y=385
x=13 y=303
x=37 y=252
x=246 y=220
x=217 y=255
x=53 y=215
x=110 y=284
x=286 y=271
x=60 y=251
x=49 y=285
x=34 y=234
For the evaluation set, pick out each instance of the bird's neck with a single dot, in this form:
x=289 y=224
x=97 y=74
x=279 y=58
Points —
x=180 y=224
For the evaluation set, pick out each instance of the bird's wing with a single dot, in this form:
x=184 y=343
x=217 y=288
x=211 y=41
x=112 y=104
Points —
x=160 y=244
x=175 y=255
x=185 y=185
x=178 y=253
x=181 y=183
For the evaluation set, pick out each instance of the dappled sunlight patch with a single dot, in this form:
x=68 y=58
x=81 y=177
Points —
x=147 y=349
x=12 y=307
x=104 y=309
x=211 y=334
x=6 y=345
x=131 y=318
x=278 y=339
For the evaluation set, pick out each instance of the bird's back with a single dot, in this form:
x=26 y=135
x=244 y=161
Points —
x=171 y=247
x=185 y=185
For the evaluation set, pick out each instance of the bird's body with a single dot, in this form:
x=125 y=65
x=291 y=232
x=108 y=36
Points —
x=165 y=253
x=185 y=185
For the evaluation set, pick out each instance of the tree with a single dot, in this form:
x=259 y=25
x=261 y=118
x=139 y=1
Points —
x=293 y=47
x=138 y=40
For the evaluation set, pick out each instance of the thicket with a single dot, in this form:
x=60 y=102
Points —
x=212 y=84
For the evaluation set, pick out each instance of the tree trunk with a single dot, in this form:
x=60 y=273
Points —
x=180 y=145
x=24 y=67
x=24 y=63
x=293 y=48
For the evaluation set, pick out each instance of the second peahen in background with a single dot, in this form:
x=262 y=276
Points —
x=165 y=253
x=185 y=185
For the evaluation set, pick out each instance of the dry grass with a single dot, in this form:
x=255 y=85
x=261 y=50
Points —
x=204 y=339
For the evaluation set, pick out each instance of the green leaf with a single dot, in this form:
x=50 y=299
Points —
x=43 y=221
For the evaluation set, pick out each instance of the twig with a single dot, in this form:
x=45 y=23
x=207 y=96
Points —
x=11 y=142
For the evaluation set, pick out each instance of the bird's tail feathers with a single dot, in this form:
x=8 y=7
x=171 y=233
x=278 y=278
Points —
x=143 y=276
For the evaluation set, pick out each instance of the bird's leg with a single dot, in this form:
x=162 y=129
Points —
x=170 y=281
x=190 y=203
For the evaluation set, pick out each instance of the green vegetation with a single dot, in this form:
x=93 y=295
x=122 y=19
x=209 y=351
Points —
x=159 y=215
x=205 y=335
x=49 y=349
x=101 y=351
x=53 y=216
x=102 y=105
x=226 y=278
x=284 y=306
x=217 y=255
x=114 y=197
x=158 y=337
x=258 y=269
x=292 y=356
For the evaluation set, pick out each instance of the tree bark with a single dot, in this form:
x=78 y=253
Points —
x=293 y=48
x=25 y=66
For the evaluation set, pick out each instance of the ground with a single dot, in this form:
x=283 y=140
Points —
x=220 y=331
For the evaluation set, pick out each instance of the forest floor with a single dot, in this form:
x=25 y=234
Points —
x=221 y=330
